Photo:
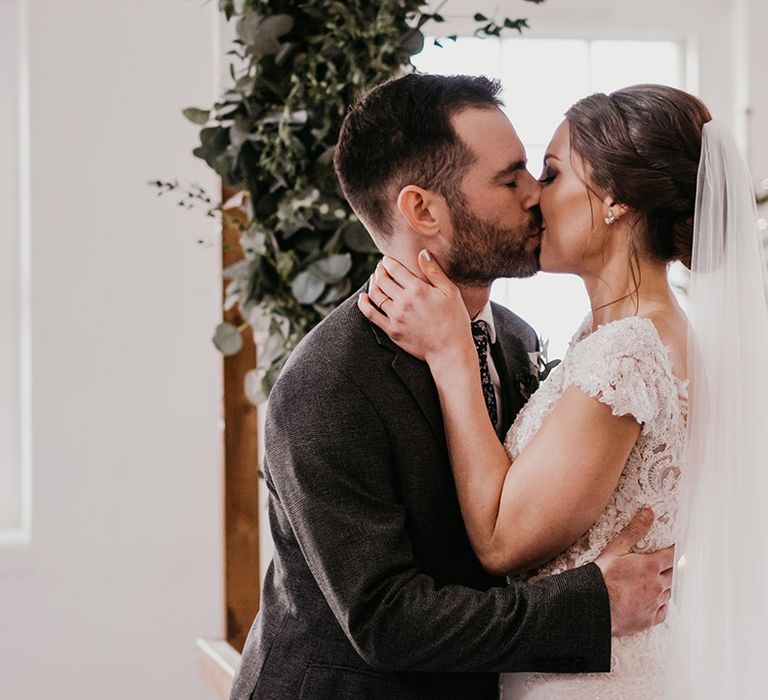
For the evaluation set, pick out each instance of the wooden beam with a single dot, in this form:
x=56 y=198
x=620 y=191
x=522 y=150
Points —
x=241 y=482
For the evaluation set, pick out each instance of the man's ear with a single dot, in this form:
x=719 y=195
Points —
x=421 y=209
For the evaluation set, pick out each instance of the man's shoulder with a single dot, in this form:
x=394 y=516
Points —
x=509 y=323
x=342 y=344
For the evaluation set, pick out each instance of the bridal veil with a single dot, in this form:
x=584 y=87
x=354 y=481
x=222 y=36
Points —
x=719 y=611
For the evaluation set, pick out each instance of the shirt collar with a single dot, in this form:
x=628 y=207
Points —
x=486 y=314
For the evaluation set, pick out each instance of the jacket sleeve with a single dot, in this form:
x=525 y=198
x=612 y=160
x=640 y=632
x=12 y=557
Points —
x=328 y=462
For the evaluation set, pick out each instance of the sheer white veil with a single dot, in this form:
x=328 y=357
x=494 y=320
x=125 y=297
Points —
x=719 y=612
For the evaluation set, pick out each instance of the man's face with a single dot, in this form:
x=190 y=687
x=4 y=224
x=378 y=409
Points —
x=496 y=218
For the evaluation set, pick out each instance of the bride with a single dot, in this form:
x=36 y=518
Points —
x=631 y=181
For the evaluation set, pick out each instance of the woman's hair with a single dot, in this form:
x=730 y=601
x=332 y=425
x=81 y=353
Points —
x=642 y=145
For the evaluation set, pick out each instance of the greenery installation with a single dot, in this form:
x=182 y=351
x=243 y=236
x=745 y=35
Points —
x=271 y=137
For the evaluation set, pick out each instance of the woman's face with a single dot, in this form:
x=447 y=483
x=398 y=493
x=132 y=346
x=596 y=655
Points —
x=573 y=233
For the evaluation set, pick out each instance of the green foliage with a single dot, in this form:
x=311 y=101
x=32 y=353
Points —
x=297 y=67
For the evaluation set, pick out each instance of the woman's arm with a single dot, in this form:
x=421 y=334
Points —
x=523 y=514
x=519 y=515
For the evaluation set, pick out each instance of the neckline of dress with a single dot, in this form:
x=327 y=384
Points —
x=586 y=325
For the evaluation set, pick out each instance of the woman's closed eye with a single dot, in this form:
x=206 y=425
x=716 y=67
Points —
x=547 y=177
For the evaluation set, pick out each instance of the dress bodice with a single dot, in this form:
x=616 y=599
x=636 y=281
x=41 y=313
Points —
x=625 y=365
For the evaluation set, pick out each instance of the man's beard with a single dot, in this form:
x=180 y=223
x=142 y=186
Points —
x=483 y=251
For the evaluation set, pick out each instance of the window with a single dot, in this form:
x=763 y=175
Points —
x=14 y=351
x=541 y=78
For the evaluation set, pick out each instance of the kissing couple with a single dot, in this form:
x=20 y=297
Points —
x=441 y=532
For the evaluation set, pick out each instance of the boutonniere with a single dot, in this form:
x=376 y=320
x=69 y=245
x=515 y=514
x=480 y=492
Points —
x=539 y=367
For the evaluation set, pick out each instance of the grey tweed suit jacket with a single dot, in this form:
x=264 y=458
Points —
x=374 y=590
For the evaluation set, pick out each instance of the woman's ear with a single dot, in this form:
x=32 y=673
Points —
x=421 y=209
x=618 y=210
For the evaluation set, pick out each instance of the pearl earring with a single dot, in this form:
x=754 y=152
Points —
x=610 y=218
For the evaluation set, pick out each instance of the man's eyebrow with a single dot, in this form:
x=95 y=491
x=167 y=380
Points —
x=511 y=169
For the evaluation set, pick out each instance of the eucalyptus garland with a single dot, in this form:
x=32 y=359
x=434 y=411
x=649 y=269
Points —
x=297 y=66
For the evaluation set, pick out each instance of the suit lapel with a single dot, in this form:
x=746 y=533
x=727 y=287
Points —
x=415 y=376
x=509 y=356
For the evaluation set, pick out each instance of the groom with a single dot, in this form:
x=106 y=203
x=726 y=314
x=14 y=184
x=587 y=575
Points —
x=374 y=590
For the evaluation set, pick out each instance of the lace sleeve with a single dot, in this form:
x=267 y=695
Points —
x=624 y=365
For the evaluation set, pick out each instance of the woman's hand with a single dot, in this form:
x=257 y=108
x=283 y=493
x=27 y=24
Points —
x=426 y=319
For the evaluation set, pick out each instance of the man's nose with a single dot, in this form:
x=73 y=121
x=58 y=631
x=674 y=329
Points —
x=532 y=194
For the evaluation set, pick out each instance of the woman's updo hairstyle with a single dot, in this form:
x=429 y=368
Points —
x=642 y=145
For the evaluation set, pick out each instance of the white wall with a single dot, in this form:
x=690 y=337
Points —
x=756 y=25
x=12 y=511
x=123 y=570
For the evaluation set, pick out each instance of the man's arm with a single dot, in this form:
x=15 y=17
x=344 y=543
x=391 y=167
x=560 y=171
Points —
x=328 y=458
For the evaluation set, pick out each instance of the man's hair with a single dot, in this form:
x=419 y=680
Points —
x=399 y=133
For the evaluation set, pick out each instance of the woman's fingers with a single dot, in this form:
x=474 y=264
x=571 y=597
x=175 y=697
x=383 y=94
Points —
x=372 y=313
x=375 y=293
x=388 y=286
x=419 y=317
x=398 y=272
x=434 y=273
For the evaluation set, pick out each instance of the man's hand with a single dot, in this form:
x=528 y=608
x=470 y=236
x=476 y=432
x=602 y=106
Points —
x=639 y=585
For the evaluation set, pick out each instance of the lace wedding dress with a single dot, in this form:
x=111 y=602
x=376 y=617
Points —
x=626 y=366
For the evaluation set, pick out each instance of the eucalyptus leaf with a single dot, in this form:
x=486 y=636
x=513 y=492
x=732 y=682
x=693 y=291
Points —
x=227 y=7
x=260 y=34
x=197 y=116
x=254 y=243
x=222 y=164
x=307 y=287
x=298 y=117
x=306 y=241
x=281 y=325
x=245 y=84
x=258 y=316
x=213 y=142
x=227 y=339
x=274 y=347
x=413 y=42
x=271 y=118
x=256 y=389
x=238 y=132
x=332 y=269
x=237 y=201
x=242 y=268
x=336 y=293
x=518 y=24
x=306 y=199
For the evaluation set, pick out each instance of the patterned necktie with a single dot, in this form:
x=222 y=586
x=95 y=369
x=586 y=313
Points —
x=482 y=336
